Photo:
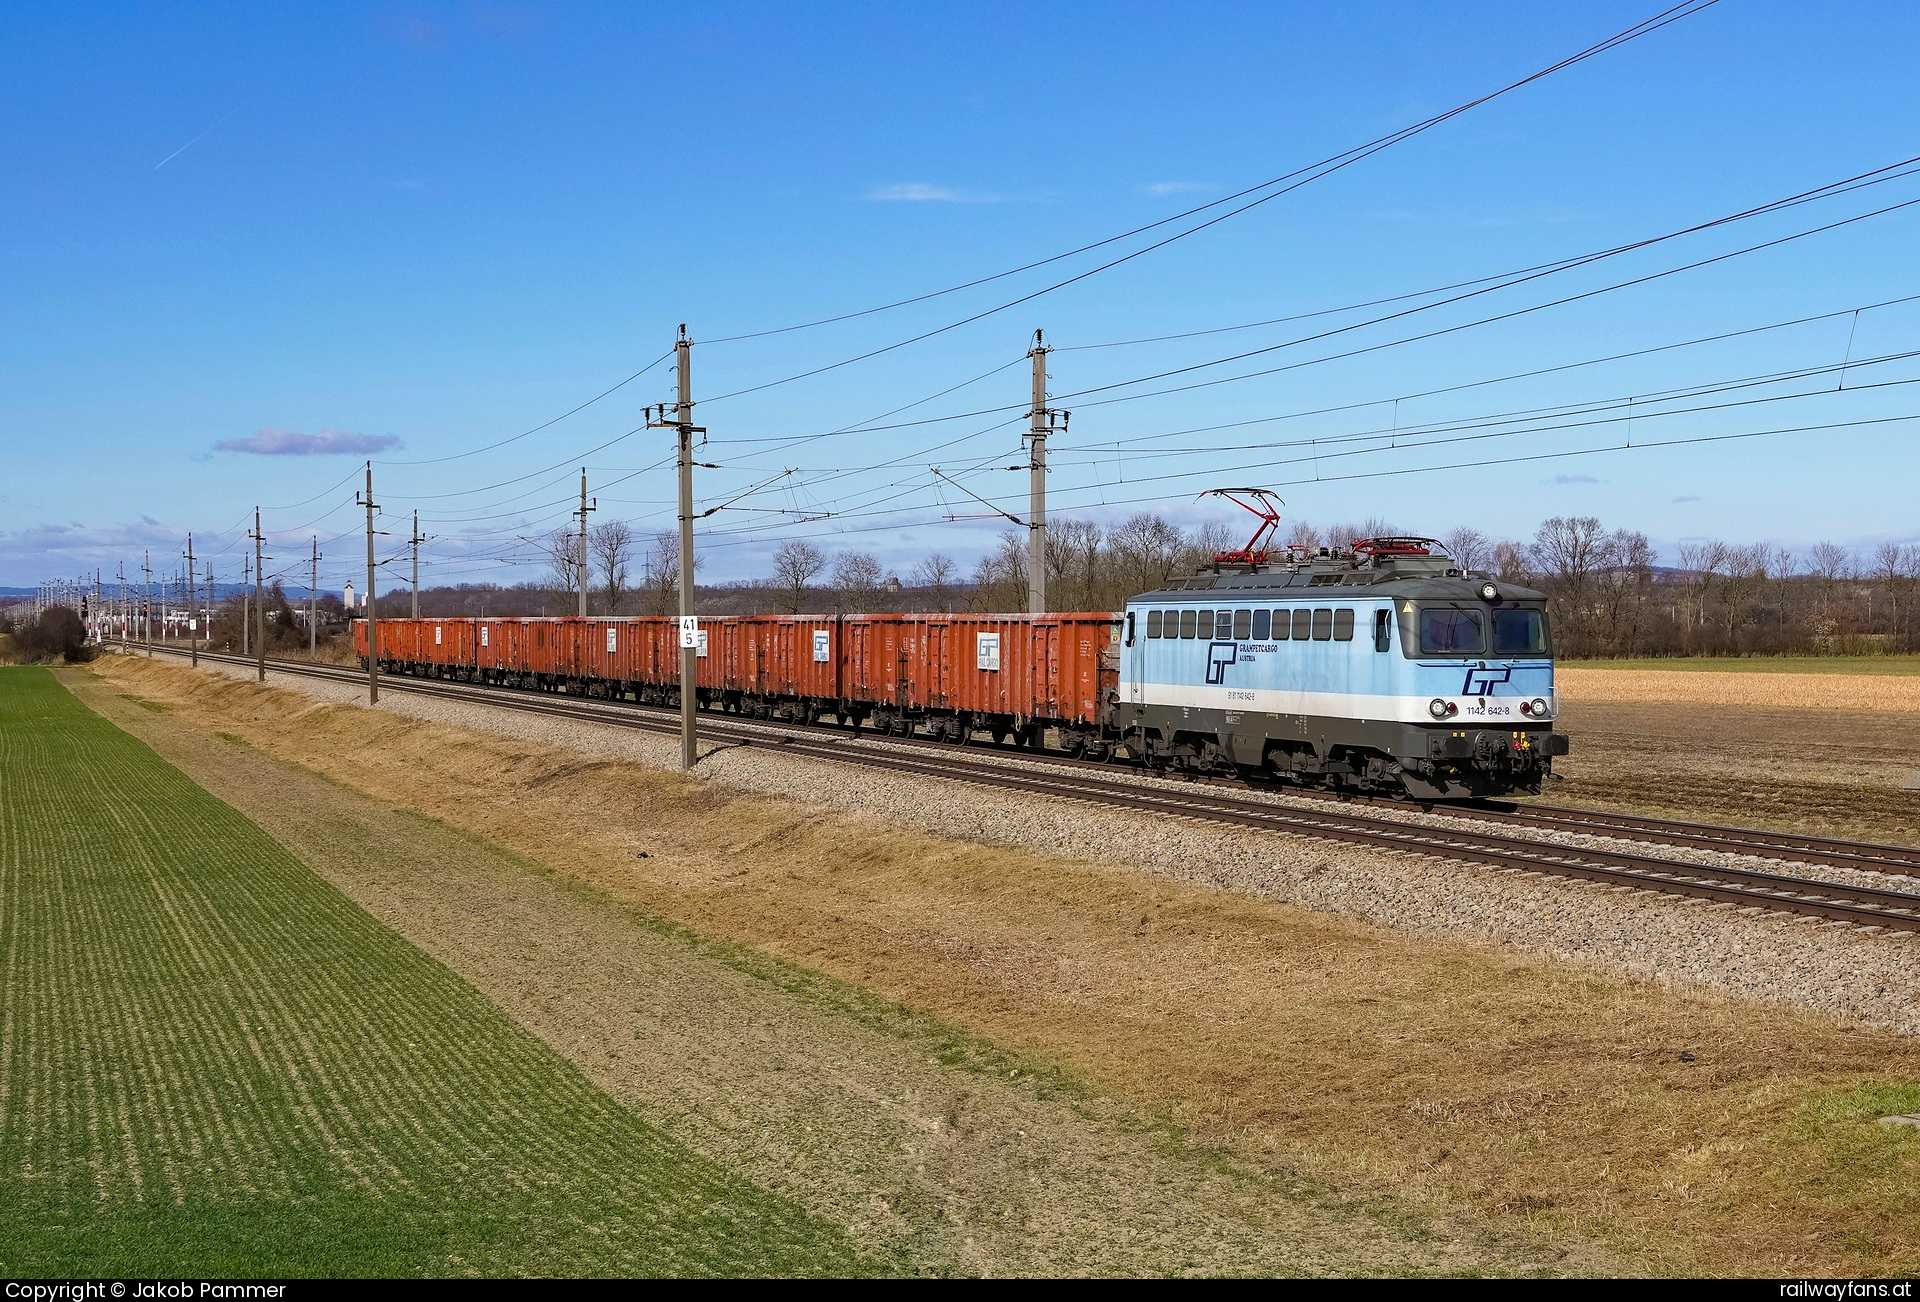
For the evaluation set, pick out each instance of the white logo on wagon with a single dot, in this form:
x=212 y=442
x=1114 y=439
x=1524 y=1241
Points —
x=611 y=643
x=986 y=651
x=822 y=645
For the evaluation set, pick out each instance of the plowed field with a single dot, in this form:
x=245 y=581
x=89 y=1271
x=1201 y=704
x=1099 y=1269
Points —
x=213 y=1063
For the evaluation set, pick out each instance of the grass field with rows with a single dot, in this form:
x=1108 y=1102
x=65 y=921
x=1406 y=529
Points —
x=213 y=1063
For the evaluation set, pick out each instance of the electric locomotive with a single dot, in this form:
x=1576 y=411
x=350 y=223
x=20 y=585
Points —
x=1381 y=667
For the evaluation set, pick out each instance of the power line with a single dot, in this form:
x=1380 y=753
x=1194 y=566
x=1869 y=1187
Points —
x=1287 y=184
x=1505 y=279
x=1635 y=446
x=1445 y=330
x=1877 y=176
x=1323 y=167
x=1513 y=417
x=1517 y=375
x=434 y=461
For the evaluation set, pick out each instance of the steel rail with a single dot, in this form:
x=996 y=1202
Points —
x=1759 y=843
x=1859 y=905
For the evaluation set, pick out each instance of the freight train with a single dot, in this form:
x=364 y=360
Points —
x=1382 y=667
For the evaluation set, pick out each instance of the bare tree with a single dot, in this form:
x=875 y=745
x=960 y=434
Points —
x=561 y=548
x=1700 y=563
x=1743 y=575
x=1207 y=540
x=662 y=577
x=1891 y=563
x=1469 y=547
x=1302 y=534
x=1622 y=586
x=1073 y=563
x=1143 y=550
x=935 y=574
x=611 y=544
x=1000 y=577
x=856 y=580
x=1830 y=566
x=795 y=565
x=1345 y=535
x=1511 y=562
x=1566 y=551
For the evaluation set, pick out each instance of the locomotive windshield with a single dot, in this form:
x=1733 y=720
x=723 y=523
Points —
x=1451 y=632
x=1519 y=632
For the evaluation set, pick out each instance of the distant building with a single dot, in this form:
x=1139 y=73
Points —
x=349 y=597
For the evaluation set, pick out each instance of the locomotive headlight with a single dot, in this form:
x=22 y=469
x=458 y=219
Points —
x=1539 y=708
x=1437 y=708
x=1488 y=592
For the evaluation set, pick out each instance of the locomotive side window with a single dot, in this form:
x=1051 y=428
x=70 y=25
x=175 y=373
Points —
x=1189 y=622
x=1519 y=632
x=1242 y=625
x=1443 y=632
x=1302 y=624
x=1382 y=629
x=1343 y=625
x=1262 y=625
x=1153 y=622
x=1322 y=624
x=1223 y=624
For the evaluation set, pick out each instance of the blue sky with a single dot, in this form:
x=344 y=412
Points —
x=424 y=229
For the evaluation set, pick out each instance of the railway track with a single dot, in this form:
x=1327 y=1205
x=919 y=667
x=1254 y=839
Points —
x=1860 y=905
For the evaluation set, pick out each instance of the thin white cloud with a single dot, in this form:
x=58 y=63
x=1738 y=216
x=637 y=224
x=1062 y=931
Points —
x=923 y=192
x=1175 y=187
x=1688 y=498
x=1575 y=479
x=276 y=442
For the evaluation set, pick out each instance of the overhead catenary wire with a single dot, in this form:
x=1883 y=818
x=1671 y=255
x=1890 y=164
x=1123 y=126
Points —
x=1877 y=176
x=1504 y=379
x=1636 y=446
x=1447 y=330
x=1098 y=454
x=1326 y=448
x=1301 y=175
x=474 y=452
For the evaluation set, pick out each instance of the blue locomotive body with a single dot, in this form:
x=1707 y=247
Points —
x=1370 y=670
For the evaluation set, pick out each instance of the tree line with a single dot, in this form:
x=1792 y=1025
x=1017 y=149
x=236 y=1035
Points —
x=1611 y=595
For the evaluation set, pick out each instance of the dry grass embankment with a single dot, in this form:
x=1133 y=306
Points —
x=1567 y=1102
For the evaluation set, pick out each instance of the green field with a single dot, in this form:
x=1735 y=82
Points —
x=1762 y=664
x=212 y=1063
